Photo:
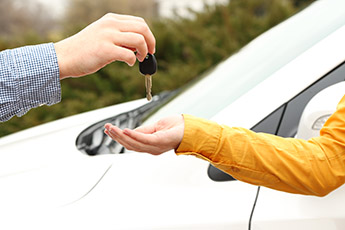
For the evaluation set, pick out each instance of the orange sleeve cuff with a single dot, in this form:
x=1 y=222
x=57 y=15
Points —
x=200 y=137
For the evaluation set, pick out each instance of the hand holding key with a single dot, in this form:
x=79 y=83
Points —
x=113 y=37
x=148 y=67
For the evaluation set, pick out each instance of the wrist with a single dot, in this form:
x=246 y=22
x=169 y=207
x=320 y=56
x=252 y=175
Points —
x=59 y=55
x=197 y=137
x=63 y=54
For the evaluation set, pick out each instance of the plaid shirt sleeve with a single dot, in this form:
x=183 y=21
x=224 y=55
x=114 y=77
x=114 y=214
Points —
x=29 y=77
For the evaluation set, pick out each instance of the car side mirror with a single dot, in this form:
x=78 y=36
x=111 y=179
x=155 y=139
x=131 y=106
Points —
x=218 y=175
x=318 y=110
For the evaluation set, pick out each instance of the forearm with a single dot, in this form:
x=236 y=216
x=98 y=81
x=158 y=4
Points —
x=29 y=77
x=314 y=167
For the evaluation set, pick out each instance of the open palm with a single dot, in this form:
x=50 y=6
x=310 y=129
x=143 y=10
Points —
x=157 y=138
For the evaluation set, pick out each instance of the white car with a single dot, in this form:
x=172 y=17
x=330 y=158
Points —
x=68 y=174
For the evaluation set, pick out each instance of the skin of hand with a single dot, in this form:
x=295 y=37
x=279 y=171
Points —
x=157 y=138
x=112 y=38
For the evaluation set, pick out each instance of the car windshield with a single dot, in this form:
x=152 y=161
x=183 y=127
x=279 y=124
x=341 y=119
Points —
x=256 y=62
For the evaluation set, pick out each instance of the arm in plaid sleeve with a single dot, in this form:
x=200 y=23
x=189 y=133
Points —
x=29 y=77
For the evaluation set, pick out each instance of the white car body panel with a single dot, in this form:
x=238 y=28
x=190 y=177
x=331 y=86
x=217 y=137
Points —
x=305 y=69
x=34 y=158
x=55 y=137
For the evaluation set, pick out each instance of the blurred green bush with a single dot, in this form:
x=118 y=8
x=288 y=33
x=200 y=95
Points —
x=186 y=47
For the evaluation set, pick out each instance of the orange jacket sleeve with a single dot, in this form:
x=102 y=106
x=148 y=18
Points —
x=311 y=167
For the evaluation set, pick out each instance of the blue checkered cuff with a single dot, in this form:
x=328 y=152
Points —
x=29 y=77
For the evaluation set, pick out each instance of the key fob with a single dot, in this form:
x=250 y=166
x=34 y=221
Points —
x=149 y=65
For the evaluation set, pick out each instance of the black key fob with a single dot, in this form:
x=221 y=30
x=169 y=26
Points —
x=149 y=65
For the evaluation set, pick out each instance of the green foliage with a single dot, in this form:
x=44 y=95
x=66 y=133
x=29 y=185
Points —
x=83 y=12
x=186 y=47
x=23 y=23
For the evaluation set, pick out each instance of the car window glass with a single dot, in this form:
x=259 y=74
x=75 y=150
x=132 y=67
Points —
x=295 y=107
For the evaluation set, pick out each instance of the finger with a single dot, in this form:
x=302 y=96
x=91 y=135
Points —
x=132 y=40
x=148 y=145
x=147 y=139
x=133 y=49
x=110 y=135
x=113 y=129
x=124 y=17
x=107 y=126
x=147 y=129
x=122 y=142
x=106 y=132
x=123 y=54
x=115 y=138
x=140 y=28
x=132 y=144
x=115 y=134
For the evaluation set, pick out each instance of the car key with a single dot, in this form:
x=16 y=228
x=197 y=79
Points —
x=148 y=67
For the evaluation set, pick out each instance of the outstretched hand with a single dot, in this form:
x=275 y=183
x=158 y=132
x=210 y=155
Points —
x=157 y=138
x=113 y=37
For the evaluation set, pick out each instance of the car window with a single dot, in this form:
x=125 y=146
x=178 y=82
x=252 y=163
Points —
x=295 y=107
x=257 y=61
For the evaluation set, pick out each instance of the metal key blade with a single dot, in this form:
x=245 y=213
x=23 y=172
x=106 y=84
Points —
x=148 y=86
x=148 y=67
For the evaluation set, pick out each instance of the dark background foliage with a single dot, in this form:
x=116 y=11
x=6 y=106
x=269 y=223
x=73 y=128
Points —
x=186 y=46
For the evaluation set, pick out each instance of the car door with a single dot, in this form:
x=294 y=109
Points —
x=277 y=209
